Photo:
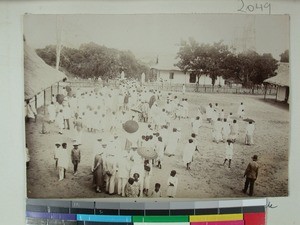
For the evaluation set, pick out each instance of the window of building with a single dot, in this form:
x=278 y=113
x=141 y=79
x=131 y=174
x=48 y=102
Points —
x=171 y=75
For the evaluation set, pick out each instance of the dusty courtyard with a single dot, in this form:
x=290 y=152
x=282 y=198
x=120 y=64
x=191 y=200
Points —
x=208 y=178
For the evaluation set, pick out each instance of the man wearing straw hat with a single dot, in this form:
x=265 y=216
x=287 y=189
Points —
x=75 y=157
x=251 y=174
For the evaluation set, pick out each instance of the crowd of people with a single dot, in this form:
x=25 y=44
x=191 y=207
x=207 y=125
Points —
x=118 y=163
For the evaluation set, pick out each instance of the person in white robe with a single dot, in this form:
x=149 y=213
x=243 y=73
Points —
x=159 y=148
x=110 y=170
x=249 y=133
x=67 y=116
x=225 y=130
x=60 y=121
x=185 y=106
x=63 y=161
x=147 y=176
x=209 y=112
x=222 y=114
x=137 y=167
x=78 y=128
x=228 y=152
x=188 y=153
x=173 y=139
x=234 y=131
x=196 y=124
x=123 y=167
x=172 y=184
x=51 y=112
x=217 y=131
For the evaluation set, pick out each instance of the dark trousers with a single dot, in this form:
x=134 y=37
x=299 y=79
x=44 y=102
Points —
x=75 y=163
x=247 y=182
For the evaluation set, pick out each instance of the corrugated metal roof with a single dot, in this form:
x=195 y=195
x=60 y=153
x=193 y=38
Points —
x=283 y=76
x=37 y=74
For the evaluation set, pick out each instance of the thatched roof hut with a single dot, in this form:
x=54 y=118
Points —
x=37 y=74
x=282 y=81
x=283 y=76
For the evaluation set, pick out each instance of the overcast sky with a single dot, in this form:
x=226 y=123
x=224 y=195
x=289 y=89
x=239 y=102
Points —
x=151 y=35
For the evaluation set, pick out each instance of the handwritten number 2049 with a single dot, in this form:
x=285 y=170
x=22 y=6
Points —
x=255 y=7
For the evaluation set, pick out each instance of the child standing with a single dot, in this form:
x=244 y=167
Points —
x=188 y=153
x=156 y=193
x=147 y=177
x=60 y=121
x=228 y=152
x=75 y=157
x=56 y=153
x=172 y=184
x=159 y=148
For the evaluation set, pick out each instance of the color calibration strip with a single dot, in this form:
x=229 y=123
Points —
x=226 y=212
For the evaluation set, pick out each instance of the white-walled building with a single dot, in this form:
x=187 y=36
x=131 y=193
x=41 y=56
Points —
x=171 y=74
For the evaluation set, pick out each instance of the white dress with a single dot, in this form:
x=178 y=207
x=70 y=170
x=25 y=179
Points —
x=172 y=143
x=229 y=151
x=188 y=152
x=196 y=124
x=63 y=158
x=52 y=112
x=171 y=190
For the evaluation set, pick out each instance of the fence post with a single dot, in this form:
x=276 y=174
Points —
x=35 y=101
x=45 y=102
x=276 y=93
x=57 y=87
x=265 y=92
x=43 y=122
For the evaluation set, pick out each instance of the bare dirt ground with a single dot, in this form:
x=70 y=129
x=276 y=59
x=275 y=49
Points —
x=208 y=178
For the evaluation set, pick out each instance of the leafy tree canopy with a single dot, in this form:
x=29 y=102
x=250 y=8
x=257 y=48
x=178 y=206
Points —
x=218 y=59
x=284 y=57
x=92 y=61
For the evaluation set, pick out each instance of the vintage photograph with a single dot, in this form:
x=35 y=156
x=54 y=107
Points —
x=156 y=105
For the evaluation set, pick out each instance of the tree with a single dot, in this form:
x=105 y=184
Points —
x=48 y=54
x=248 y=68
x=202 y=59
x=284 y=57
x=92 y=61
